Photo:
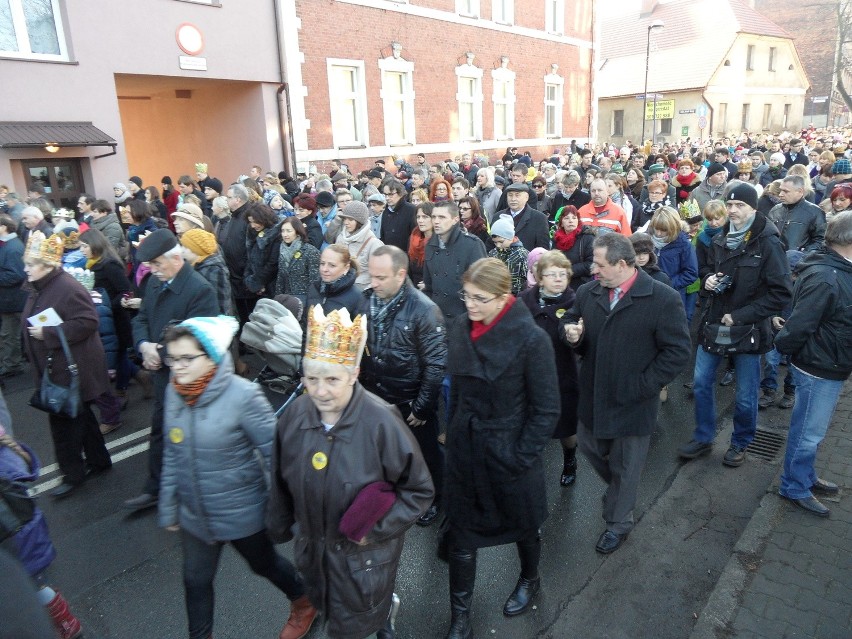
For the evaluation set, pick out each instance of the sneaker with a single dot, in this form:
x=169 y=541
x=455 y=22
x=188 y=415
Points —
x=787 y=401
x=767 y=398
x=694 y=449
x=734 y=457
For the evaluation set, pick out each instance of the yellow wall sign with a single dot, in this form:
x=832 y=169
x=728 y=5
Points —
x=665 y=109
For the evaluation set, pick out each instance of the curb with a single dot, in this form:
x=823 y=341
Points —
x=724 y=600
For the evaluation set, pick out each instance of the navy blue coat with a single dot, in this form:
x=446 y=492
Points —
x=677 y=259
x=12 y=275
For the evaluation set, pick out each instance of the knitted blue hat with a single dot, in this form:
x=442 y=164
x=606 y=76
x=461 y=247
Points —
x=213 y=333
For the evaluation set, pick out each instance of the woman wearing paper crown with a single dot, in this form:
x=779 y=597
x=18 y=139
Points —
x=78 y=443
x=213 y=487
x=348 y=480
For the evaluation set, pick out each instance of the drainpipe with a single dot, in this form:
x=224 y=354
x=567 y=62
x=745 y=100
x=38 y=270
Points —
x=106 y=155
x=282 y=95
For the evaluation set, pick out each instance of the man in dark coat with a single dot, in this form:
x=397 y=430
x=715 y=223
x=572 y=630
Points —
x=796 y=154
x=406 y=356
x=174 y=292
x=748 y=282
x=12 y=298
x=631 y=334
x=817 y=337
x=449 y=253
x=800 y=223
x=399 y=218
x=568 y=194
x=531 y=226
x=231 y=235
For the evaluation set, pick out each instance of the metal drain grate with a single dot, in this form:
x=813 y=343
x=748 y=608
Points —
x=766 y=444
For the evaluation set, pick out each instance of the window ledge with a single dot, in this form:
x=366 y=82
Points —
x=15 y=58
x=344 y=147
x=208 y=3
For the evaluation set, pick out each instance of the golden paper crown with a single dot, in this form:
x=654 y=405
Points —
x=335 y=338
x=48 y=250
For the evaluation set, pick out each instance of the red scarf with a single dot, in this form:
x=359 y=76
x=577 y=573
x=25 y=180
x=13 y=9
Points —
x=478 y=329
x=685 y=180
x=564 y=240
x=417 y=247
x=474 y=225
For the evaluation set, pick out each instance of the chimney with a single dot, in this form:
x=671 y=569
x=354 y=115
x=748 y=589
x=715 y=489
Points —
x=648 y=7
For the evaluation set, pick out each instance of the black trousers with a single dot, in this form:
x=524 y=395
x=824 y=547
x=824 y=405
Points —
x=74 y=438
x=155 y=452
x=427 y=437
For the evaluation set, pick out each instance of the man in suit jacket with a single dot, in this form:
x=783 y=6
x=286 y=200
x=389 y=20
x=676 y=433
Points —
x=531 y=226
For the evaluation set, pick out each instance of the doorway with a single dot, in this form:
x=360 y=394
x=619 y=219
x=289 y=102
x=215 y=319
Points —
x=61 y=179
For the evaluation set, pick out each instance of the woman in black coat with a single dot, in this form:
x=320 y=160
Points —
x=502 y=413
x=335 y=288
x=263 y=244
x=548 y=301
x=575 y=241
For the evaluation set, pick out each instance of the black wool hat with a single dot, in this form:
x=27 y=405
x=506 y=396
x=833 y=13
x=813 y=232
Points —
x=215 y=184
x=155 y=245
x=136 y=180
x=715 y=168
x=743 y=192
x=324 y=198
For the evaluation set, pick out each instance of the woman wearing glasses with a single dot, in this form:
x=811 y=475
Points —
x=471 y=219
x=548 y=301
x=212 y=490
x=502 y=415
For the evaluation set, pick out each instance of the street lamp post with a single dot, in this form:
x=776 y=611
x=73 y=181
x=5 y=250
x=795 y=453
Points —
x=653 y=25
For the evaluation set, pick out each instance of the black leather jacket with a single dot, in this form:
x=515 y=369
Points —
x=406 y=362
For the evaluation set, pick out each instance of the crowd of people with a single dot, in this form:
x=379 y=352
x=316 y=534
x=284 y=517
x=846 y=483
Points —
x=454 y=317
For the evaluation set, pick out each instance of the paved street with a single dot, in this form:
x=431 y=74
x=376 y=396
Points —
x=121 y=573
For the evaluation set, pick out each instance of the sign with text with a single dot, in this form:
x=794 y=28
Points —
x=665 y=110
x=684 y=130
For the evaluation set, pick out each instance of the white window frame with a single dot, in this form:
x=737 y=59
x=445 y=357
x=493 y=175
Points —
x=19 y=23
x=469 y=71
x=499 y=75
x=362 y=121
x=559 y=103
x=406 y=68
x=468 y=8
x=554 y=16
x=505 y=9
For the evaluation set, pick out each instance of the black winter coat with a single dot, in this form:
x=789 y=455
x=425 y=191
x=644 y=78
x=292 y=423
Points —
x=802 y=227
x=231 y=236
x=406 y=362
x=818 y=333
x=398 y=224
x=111 y=276
x=503 y=412
x=12 y=276
x=312 y=226
x=443 y=268
x=761 y=286
x=531 y=227
x=627 y=354
x=262 y=251
x=338 y=294
x=578 y=198
x=581 y=255
x=547 y=318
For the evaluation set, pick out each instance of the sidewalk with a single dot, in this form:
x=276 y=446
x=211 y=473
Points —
x=791 y=572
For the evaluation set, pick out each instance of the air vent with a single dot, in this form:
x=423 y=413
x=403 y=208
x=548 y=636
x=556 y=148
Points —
x=766 y=444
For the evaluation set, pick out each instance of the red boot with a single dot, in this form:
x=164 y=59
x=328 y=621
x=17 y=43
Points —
x=67 y=624
x=302 y=615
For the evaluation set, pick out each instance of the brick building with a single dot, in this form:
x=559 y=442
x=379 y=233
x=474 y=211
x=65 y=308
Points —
x=377 y=78
x=813 y=26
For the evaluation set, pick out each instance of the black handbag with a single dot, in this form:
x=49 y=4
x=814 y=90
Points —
x=17 y=508
x=53 y=398
x=727 y=340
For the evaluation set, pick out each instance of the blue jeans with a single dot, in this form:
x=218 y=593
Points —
x=815 y=401
x=770 y=373
x=747 y=368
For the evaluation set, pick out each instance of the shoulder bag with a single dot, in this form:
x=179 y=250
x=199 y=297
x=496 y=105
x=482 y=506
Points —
x=727 y=340
x=53 y=398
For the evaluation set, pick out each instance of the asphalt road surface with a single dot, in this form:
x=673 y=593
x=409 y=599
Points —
x=122 y=574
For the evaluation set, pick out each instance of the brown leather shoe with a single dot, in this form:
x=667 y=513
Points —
x=302 y=615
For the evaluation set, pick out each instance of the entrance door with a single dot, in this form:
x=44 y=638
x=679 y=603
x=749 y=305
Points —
x=61 y=179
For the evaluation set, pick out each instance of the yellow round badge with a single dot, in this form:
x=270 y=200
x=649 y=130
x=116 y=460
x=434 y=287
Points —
x=560 y=312
x=297 y=255
x=319 y=461
x=176 y=435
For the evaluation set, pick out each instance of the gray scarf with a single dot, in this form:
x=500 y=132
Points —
x=734 y=239
x=287 y=252
x=659 y=242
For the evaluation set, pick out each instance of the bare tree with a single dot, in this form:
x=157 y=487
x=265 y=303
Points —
x=843 y=55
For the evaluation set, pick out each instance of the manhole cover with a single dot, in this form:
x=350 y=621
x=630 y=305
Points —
x=766 y=444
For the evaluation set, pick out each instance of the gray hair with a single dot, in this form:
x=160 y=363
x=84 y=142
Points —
x=175 y=251
x=796 y=181
x=220 y=202
x=617 y=248
x=33 y=211
x=318 y=367
x=240 y=192
x=423 y=173
x=571 y=178
x=325 y=185
x=839 y=230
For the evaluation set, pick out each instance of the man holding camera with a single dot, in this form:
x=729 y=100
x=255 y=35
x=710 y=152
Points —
x=747 y=283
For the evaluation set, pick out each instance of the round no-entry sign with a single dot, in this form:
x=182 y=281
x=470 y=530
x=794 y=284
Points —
x=702 y=122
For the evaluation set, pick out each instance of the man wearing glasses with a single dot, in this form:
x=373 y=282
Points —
x=399 y=218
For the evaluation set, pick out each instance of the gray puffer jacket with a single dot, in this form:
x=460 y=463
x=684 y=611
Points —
x=212 y=482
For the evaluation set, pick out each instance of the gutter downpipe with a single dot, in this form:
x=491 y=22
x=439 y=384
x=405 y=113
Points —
x=282 y=97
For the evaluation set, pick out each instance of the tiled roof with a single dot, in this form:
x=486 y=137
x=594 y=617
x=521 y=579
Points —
x=35 y=134
x=684 y=53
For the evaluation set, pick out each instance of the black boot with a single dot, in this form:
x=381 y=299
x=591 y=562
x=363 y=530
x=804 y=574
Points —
x=569 y=466
x=529 y=551
x=462 y=577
